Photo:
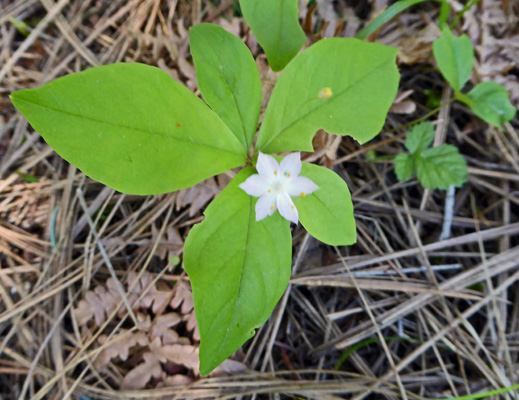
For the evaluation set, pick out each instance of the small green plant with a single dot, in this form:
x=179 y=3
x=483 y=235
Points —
x=133 y=128
x=435 y=167
x=442 y=166
x=455 y=58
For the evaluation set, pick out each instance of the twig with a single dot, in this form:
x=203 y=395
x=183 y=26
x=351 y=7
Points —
x=32 y=37
x=449 y=211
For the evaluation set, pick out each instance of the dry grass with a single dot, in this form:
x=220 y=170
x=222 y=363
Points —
x=403 y=314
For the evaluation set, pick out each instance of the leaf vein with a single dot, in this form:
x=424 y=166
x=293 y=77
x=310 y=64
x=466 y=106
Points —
x=166 y=136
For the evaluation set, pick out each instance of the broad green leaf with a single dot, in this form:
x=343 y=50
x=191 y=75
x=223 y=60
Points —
x=327 y=213
x=490 y=102
x=455 y=57
x=276 y=27
x=228 y=79
x=238 y=267
x=404 y=166
x=344 y=86
x=440 y=167
x=419 y=137
x=131 y=127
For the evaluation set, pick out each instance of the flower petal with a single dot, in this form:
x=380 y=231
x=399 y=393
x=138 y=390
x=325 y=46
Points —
x=300 y=186
x=255 y=185
x=291 y=165
x=287 y=209
x=267 y=166
x=266 y=205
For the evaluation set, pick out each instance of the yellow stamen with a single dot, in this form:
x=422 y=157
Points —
x=326 y=93
x=288 y=175
x=303 y=194
x=276 y=172
x=272 y=207
x=270 y=191
x=292 y=207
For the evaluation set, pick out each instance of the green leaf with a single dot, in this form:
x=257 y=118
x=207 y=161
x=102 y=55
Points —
x=131 y=127
x=404 y=166
x=420 y=137
x=440 y=167
x=455 y=57
x=371 y=155
x=238 y=268
x=20 y=26
x=433 y=99
x=490 y=102
x=276 y=26
x=228 y=79
x=344 y=86
x=174 y=260
x=327 y=213
x=28 y=178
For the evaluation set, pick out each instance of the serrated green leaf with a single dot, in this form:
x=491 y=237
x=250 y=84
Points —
x=327 y=213
x=419 y=137
x=404 y=166
x=276 y=26
x=440 y=167
x=344 y=86
x=490 y=102
x=238 y=267
x=455 y=57
x=228 y=79
x=131 y=127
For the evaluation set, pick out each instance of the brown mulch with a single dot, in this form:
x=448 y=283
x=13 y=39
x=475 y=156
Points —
x=406 y=313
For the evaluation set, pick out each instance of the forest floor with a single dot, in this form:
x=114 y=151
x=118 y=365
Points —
x=408 y=312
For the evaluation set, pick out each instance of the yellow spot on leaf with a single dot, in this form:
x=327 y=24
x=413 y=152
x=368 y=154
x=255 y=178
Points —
x=326 y=93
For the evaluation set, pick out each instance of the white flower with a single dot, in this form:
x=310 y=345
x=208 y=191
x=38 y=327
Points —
x=275 y=183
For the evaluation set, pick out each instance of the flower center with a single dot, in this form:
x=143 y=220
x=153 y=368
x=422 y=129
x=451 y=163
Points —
x=279 y=186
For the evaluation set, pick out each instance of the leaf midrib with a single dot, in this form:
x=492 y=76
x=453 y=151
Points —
x=238 y=110
x=225 y=338
x=457 y=65
x=235 y=302
x=125 y=127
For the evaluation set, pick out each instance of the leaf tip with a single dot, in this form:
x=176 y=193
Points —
x=14 y=96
